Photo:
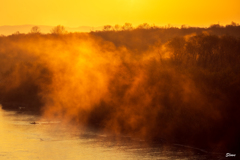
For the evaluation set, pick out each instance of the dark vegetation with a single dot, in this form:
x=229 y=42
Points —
x=187 y=92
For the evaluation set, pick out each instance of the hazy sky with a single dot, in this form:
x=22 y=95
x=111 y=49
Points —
x=74 y=13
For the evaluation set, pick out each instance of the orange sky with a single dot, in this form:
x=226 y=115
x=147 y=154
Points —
x=74 y=13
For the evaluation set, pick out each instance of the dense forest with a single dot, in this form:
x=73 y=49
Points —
x=173 y=85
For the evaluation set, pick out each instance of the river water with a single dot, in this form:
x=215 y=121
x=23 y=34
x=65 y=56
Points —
x=51 y=140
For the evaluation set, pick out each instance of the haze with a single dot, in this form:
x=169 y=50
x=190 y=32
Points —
x=98 y=13
x=154 y=71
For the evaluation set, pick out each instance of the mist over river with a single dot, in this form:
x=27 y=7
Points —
x=143 y=93
x=49 y=140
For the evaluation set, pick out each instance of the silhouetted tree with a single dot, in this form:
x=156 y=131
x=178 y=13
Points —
x=117 y=27
x=144 y=26
x=59 y=30
x=234 y=24
x=177 y=46
x=107 y=28
x=127 y=26
x=214 y=26
x=16 y=33
x=183 y=26
x=35 y=30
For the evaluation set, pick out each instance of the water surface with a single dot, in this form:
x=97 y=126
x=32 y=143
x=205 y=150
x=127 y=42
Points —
x=51 y=140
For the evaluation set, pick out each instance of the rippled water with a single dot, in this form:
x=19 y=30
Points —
x=51 y=140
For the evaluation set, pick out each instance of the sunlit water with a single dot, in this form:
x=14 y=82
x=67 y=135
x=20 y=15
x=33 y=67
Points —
x=50 y=140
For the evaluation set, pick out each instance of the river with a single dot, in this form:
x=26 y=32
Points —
x=52 y=140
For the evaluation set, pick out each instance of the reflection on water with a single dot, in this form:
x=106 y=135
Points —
x=48 y=140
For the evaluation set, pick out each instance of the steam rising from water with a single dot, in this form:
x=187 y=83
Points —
x=86 y=80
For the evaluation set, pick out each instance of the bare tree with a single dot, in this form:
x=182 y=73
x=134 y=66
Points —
x=107 y=27
x=59 y=30
x=234 y=24
x=35 y=30
x=16 y=33
x=117 y=27
x=183 y=26
x=144 y=26
x=127 y=26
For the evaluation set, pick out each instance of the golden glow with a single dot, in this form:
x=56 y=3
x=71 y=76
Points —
x=95 y=13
